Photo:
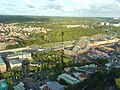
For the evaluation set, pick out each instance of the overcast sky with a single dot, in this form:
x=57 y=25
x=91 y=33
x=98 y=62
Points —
x=77 y=8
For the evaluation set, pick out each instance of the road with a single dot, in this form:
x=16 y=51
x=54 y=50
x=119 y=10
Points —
x=58 y=47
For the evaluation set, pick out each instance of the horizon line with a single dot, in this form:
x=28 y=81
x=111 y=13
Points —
x=66 y=16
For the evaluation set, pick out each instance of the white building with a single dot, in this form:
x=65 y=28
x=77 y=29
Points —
x=22 y=55
x=102 y=23
x=107 y=23
x=2 y=65
x=116 y=25
x=15 y=63
x=117 y=18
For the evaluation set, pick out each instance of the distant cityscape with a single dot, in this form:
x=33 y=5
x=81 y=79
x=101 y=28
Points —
x=63 y=53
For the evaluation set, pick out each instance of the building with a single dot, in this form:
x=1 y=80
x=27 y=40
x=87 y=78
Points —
x=68 y=79
x=108 y=65
x=107 y=23
x=84 y=75
x=86 y=68
x=2 y=46
x=2 y=65
x=20 y=55
x=15 y=62
x=102 y=23
x=116 y=18
x=78 y=76
x=116 y=25
x=67 y=69
x=11 y=42
x=89 y=71
x=20 y=86
x=52 y=86
x=117 y=49
x=3 y=85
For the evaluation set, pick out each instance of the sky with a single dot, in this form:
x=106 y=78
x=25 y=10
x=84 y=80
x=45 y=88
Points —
x=74 y=8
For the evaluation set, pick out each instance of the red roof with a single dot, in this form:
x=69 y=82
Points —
x=46 y=88
x=2 y=39
x=84 y=75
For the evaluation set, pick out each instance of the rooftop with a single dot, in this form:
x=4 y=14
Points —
x=53 y=86
x=15 y=61
x=1 y=61
x=68 y=78
x=20 y=86
x=3 y=85
x=17 y=54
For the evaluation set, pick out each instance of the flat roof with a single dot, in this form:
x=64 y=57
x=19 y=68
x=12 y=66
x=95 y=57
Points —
x=68 y=78
x=19 y=87
x=1 y=61
x=54 y=85
x=17 y=54
x=15 y=61
x=3 y=85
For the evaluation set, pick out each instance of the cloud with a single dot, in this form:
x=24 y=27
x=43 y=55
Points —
x=51 y=0
x=61 y=7
x=28 y=3
x=54 y=5
x=95 y=6
x=30 y=6
x=6 y=3
x=83 y=6
x=118 y=1
x=23 y=10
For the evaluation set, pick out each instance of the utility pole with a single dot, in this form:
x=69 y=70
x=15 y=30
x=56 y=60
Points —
x=62 y=47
